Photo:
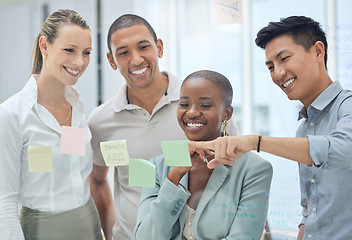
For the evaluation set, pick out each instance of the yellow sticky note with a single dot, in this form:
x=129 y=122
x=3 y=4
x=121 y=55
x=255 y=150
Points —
x=176 y=153
x=40 y=159
x=115 y=153
x=227 y=11
x=141 y=173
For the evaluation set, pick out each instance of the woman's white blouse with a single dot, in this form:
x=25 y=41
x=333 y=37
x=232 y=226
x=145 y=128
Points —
x=23 y=123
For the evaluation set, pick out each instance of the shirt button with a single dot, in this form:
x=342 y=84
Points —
x=309 y=236
x=312 y=180
x=78 y=201
x=314 y=209
x=311 y=124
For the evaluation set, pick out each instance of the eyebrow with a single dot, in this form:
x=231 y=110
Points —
x=140 y=42
x=277 y=56
x=201 y=98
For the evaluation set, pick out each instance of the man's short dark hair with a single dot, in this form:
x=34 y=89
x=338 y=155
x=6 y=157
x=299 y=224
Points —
x=126 y=21
x=303 y=30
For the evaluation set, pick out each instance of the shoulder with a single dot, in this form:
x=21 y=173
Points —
x=101 y=112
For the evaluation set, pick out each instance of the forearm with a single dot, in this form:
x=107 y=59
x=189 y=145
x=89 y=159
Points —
x=102 y=196
x=300 y=232
x=296 y=149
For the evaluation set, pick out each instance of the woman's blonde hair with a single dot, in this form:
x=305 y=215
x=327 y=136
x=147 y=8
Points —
x=50 y=30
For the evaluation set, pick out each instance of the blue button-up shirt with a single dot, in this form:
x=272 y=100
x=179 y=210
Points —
x=326 y=186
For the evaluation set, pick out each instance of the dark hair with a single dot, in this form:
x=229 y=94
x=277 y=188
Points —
x=218 y=79
x=126 y=21
x=50 y=30
x=303 y=30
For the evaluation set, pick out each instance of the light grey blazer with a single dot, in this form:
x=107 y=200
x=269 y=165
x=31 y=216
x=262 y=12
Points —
x=234 y=204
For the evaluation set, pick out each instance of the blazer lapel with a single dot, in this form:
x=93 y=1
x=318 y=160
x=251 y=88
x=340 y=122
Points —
x=215 y=181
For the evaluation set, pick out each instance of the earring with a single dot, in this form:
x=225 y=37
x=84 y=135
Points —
x=44 y=57
x=224 y=129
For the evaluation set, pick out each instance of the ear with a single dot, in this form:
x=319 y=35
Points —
x=43 y=45
x=160 y=46
x=319 y=50
x=111 y=61
x=228 y=113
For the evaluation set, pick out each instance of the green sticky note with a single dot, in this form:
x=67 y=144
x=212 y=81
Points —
x=176 y=153
x=40 y=158
x=141 y=173
x=115 y=153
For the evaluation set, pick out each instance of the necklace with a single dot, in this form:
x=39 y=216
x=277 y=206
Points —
x=68 y=113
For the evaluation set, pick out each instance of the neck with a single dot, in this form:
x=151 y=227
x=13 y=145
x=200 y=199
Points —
x=323 y=84
x=50 y=91
x=148 y=97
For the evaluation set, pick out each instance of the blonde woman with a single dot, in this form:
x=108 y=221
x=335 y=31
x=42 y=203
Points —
x=57 y=204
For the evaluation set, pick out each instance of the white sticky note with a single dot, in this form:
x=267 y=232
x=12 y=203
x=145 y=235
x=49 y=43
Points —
x=73 y=140
x=115 y=153
x=40 y=158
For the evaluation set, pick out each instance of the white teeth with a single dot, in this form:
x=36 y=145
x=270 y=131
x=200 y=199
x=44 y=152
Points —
x=72 y=71
x=195 y=125
x=286 y=84
x=141 y=71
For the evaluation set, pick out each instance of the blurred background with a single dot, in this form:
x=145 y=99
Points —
x=193 y=41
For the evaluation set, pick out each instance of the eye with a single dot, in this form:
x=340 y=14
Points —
x=284 y=58
x=271 y=68
x=122 y=53
x=86 y=53
x=183 y=105
x=206 y=105
x=145 y=46
x=70 y=50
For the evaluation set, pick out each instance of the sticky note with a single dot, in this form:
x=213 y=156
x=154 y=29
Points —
x=176 y=153
x=227 y=11
x=115 y=153
x=141 y=173
x=40 y=158
x=73 y=140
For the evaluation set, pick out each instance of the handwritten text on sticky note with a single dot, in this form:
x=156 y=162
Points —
x=115 y=153
x=227 y=11
x=40 y=158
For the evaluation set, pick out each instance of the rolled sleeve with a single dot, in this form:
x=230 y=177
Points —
x=318 y=149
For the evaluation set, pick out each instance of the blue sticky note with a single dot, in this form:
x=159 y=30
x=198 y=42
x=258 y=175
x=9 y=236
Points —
x=141 y=173
x=176 y=153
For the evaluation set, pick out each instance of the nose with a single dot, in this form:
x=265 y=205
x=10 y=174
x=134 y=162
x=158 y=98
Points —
x=136 y=58
x=78 y=61
x=193 y=112
x=279 y=73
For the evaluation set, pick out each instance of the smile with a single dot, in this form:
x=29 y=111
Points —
x=139 y=71
x=72 y=71
x=195 y=125
x=288 y=83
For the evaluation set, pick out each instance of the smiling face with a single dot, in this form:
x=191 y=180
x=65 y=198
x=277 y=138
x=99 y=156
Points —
x=201 y=109
x=296 y=71
x=135 y=54
x=68 y=56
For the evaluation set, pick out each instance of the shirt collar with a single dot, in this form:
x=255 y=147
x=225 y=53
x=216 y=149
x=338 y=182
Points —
x=171 y=94
x=323 y=100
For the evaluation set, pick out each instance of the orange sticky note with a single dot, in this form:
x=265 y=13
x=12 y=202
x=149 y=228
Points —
x=73 y=140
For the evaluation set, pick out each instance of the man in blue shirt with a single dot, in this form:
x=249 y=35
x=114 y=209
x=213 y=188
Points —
x=296 y=56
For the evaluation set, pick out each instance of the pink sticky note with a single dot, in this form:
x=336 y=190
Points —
x=73 y=140
x=227 y=11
